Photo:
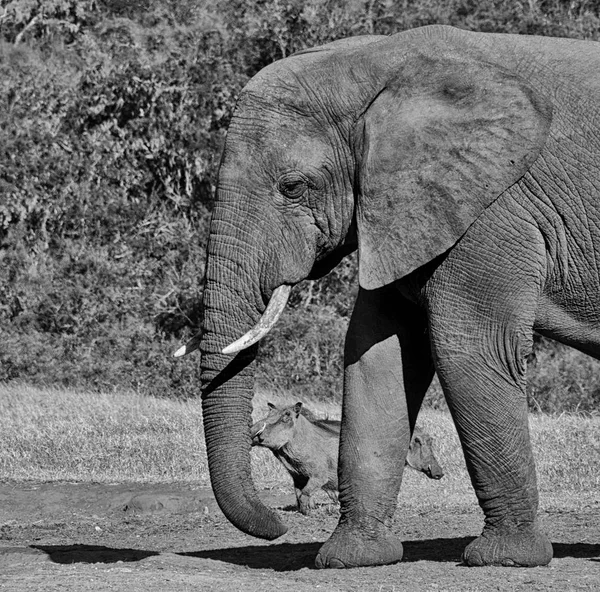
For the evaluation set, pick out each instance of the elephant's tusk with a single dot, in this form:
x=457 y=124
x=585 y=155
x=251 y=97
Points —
x=265 y=324
x=192 y=345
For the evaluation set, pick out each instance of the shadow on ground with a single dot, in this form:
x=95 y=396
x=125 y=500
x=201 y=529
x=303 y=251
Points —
x=280 y=557
x=576 y=550
x=291 y=556
x=92 y=553
x=440 y=550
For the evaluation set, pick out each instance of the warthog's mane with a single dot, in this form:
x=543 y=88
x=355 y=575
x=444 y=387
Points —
x=330 y=425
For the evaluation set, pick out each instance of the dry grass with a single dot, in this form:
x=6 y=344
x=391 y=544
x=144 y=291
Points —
x=50 y=435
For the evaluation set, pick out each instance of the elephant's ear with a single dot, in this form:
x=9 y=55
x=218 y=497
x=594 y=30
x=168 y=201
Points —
x=435 y=148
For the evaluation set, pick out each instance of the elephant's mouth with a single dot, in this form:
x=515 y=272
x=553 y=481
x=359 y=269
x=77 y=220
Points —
x=325 y=265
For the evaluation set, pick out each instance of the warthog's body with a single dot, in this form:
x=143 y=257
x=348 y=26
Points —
x=308 y=448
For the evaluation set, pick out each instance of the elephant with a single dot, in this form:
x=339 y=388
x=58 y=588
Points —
x=308 y=449
x=465 y=169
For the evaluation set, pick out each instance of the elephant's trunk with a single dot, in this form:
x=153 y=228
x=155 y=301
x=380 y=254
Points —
x=226 y=411
x=228 y=381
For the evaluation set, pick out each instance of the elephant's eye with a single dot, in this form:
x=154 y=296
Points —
x=292 y=185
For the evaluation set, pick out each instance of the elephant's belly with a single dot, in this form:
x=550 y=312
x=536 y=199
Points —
x=574 y=324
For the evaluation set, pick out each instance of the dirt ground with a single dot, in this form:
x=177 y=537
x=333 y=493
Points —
x=84 y=537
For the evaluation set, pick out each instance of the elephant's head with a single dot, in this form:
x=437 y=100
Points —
x=394 y=145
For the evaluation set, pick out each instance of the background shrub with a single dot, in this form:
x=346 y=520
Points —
x=112 y=120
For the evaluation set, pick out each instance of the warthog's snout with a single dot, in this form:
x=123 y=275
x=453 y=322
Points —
x=434 y=472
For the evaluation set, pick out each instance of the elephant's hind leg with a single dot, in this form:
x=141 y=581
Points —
x=480 y=338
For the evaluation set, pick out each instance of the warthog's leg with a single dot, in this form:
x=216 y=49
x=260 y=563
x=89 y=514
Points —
x=333 y=495
x=298 y=493
x=305 y=500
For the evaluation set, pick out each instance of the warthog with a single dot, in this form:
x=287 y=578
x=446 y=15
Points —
x=308 y=448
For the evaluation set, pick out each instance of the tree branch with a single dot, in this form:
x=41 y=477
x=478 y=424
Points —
x=28 y=26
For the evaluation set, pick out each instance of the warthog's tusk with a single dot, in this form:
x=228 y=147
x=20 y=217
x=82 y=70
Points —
x=260 y=431
x=265 y=324
x=192 y=345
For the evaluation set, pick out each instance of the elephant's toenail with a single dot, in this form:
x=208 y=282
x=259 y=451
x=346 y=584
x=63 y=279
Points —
x=473 y=559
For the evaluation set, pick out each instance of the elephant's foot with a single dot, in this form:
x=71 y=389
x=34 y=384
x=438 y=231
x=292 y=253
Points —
x=353 y=547
x=520 y=548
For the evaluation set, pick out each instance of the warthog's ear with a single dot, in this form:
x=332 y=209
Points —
x=298 y=408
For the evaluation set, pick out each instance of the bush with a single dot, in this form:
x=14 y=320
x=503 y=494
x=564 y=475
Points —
x=42 y=19
x=562 y=379
x=106 y=172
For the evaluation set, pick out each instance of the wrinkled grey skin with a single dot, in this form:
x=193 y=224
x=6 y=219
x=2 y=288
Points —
x=308 y=449
x=465 y=167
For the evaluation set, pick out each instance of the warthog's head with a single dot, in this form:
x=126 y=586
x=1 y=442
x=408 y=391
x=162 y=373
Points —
x=277 y=428
x=420 y=455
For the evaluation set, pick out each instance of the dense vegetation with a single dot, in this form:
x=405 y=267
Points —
x=112 y=117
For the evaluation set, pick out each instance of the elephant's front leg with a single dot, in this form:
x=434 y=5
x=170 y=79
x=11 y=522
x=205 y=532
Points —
x=388 y=370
